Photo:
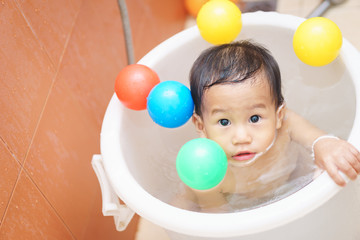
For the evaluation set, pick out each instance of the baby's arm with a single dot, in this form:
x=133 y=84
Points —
x=210 y=200
x=331 y=154
x=214 y=199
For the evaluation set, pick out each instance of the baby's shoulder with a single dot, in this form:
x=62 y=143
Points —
x=283 y=134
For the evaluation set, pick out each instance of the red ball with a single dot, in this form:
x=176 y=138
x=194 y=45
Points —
x=133 y=85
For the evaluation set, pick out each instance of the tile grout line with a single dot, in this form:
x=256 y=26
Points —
x=22 y=166
x=2 y=140
x=48 y=202
x=34 y=33
x=9 y=150
x=40 y=117
x=10 y=198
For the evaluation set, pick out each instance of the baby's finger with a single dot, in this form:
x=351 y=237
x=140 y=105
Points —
x=347 y=168
x=356 y=166
x=335 y=175
x=351 y=158
x=355 y=152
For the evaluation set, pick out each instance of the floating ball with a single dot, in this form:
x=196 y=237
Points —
x=133 y=84
x=201 y=164
x=170 y=104
x=219 y=21
x=317 y=41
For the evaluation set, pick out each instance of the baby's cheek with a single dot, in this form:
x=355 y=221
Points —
x=268 y=141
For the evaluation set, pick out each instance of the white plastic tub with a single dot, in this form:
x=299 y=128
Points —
x=138 y=156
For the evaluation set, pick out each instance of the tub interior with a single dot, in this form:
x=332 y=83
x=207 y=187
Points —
x=323 y=95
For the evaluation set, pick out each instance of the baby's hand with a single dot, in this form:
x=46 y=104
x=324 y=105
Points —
x=334 y=155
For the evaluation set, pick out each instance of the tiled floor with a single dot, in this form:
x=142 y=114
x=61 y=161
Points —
x=345 y=15
x=59 y=61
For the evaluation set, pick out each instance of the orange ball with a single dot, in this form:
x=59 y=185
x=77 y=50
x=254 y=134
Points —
x=193 y=6
x=133 y=85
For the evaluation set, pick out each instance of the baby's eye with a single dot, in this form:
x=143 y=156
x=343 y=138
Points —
x=224 y=122
x=254 y=118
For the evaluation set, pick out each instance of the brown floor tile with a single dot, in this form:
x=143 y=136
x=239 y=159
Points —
x=60 y=156
x=9 y=171
x=26 y=76
x=52 y=22
x=30 y=217
x=94 y=56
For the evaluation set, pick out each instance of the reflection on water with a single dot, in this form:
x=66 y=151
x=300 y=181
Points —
x=238 y=202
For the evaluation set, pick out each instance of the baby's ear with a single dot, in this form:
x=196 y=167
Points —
x=280 y=114
x=199 y=125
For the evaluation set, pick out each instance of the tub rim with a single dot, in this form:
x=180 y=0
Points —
x=242 y=223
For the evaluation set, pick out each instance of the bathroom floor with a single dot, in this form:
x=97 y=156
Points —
x=345 y=15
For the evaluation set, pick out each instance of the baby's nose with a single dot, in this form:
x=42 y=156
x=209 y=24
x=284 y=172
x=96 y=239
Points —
x=241 y=136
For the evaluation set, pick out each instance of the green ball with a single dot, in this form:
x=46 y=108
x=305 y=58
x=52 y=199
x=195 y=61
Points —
x=201 y=164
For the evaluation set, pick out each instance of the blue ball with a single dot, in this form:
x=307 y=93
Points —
x=170 y=104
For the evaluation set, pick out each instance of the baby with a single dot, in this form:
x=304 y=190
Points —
x=236 y=90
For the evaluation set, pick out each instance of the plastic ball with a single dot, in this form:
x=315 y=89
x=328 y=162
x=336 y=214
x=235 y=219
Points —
x=193 y=6
x=317 y=41
x=201 y=164
x=170 y=104
x=133 y=84
x=219 y=21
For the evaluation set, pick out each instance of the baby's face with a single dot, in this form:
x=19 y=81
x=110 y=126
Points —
x=241 y=118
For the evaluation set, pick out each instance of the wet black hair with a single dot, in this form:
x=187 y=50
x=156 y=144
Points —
x=233 y=63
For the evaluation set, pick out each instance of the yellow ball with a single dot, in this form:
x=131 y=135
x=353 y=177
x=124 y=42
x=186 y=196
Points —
x=219 y=21
x=317 y=41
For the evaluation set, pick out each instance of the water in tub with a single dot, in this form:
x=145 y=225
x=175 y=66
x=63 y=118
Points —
x=154 y=165
x=253 y=190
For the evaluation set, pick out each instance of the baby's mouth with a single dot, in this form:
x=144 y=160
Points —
x=244 y=156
